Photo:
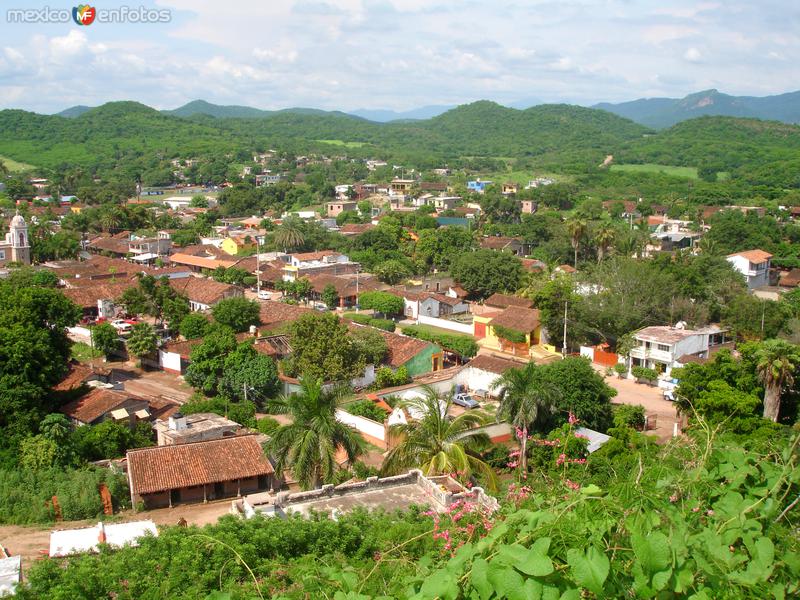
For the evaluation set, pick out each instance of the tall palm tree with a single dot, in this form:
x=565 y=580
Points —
x=309 y=444
x=604 y=238
x=776 y=364
x=288 y=236
x=110 y=220
x=526 y=402
x=577 y=231
x=437 y=443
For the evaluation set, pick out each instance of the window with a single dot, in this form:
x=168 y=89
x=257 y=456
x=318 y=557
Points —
x=2 y=254
x=663 y=347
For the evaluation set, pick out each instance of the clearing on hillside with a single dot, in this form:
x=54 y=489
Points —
x=15 y=166
x=688 y=172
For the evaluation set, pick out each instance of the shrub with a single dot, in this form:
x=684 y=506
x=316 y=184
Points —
x=629 y=416
x=644 y=373
x=463 y=346
x=385 y=324
x=360 y=319
x=621 y=369
x=368 y=409
x=267 y=425
x=386 y=377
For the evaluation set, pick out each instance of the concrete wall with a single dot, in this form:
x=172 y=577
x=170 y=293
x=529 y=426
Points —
x=371 y=431
x=446 y=324
x=477 y=379
x=169 y=361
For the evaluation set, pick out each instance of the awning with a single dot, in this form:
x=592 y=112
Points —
x=119 y=414
x=144 y=257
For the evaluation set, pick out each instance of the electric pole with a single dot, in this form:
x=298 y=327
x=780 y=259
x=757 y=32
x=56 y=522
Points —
x=564 y=342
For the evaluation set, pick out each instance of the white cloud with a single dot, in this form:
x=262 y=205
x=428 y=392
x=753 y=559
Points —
x=692 y=55
x=404 y=53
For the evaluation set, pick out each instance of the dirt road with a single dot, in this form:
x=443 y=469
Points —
x=630 y=392
x=33 y=542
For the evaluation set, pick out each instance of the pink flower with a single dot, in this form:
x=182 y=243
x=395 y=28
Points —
x=710 y=512
x=573 y=419
x=572 y=485
x=512 y=465
x=696 y=509
x=673 y=498
x=561 y=458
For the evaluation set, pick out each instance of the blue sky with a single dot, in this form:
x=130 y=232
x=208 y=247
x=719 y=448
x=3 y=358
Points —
x=401 y=54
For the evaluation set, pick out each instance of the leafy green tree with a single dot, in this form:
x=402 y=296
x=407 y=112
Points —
x=193 y=326
x=604 y=237
x=777 y=362
x=484 y=272
x=752 y=318
x=248 y=374
x=243 y=412
x=438 y=248
x=237 y=313
x=330 y=296
x=208 y=360
x=37 y=453
x=143 y=340
x=582 y=392
x=155 y=297
x=111 y=439
x=382 y=302
x=392 y=271
x=106 y=339
x=437 y=443
x=308 y=445
x=323 y=349
x=370 y=344
x=527 y=402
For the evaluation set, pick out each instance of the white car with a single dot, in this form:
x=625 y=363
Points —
x=264 y=295
x=121 y=326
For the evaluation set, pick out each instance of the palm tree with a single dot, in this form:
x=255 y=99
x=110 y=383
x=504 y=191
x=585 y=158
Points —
x=109 y=220
x=437 y=443
x=604 y=238
x=776 y=363
x=577 y=231
x=288 y=236
x=526 y=402
x=309 y=444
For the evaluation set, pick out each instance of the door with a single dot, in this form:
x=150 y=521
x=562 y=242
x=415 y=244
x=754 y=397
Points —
x=480 y=330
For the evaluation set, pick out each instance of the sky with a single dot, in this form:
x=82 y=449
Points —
x=401 y=54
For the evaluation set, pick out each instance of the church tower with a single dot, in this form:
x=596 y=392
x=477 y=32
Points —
x=20 y=244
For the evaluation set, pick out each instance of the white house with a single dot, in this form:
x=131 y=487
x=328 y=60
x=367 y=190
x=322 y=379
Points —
x=431 y=304
x=754 y=265
x=659 y=347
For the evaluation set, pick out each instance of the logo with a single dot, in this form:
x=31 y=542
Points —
x=84 y=14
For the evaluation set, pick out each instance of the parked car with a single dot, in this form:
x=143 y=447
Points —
x=121 y=325
x=264 y=295
x=466 y=401
x=669 y=395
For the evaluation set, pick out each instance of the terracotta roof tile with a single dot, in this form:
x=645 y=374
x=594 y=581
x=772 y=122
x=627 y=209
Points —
x=277 y=313
x=87 y=296
x=202 y=290
x=505 y=300
x=498 y=242
x=754 y=256
x=356 y=228
x=402 y=348
x=494 y=364
x=523 y=320
x=95 y=404
x=184 y=465
x=200 y=261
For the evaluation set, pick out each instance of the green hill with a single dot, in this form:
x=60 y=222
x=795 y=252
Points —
x=73 y=111
x=664 y=112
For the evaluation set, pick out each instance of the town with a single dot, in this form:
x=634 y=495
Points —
x=540 y=346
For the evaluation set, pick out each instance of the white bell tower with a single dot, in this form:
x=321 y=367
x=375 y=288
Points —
x=20 y=244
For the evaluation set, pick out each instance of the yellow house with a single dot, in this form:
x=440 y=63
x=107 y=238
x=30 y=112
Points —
x=521 y=325
x=235 y=245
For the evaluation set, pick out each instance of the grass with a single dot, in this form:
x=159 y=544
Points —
x=688 y=172
x=15 y=166
x=342 y=143
x=439 y=331
x=83 y=352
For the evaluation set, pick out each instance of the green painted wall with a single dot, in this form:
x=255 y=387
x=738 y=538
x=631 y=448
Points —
x=423 y=361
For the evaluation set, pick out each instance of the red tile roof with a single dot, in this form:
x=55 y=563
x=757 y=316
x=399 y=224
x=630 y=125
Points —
x=506 y=300
x=274 y=314
x=790 y=278
x=523 y=320
x=498 y=242
x=754 y=256
x=356 y=228
x=95 y=404
x=200 y=261
x=78 y=375
x=87 y=297
x=202 y=290
x=310 y=256
x=152 y=470
x=494 y=364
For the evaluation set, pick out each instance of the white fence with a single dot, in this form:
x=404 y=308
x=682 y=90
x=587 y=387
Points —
x=365 y=426
x=446 y=324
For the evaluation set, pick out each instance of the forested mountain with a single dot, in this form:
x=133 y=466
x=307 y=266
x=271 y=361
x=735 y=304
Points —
x=201 y=107
x=759 y=152
x=663 y=112
x=106 y=134
x=384 y=116
x=74 y=111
